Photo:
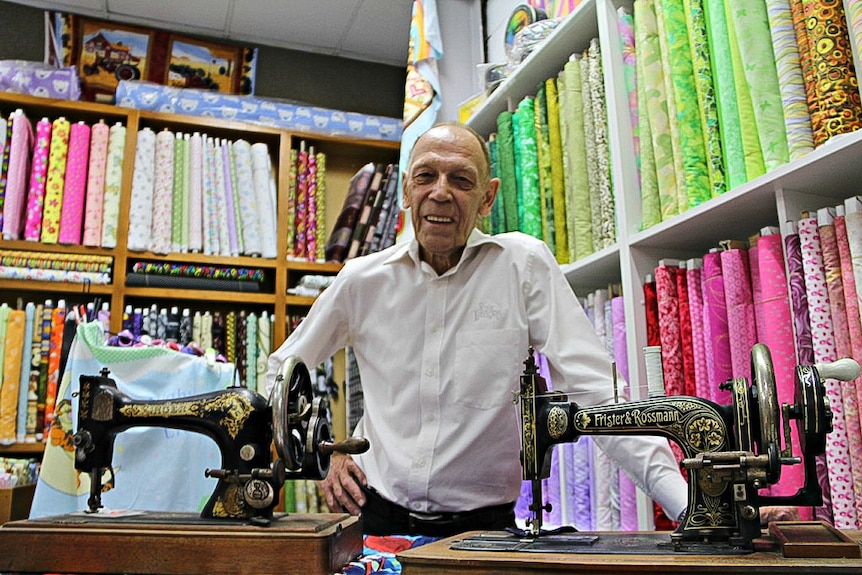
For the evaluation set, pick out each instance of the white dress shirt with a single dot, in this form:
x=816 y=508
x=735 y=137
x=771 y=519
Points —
x=440 y=358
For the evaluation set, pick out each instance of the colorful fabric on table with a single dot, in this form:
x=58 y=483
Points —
x=75 y=185
x=379 y=554
x=56 y=180
x=92 y=234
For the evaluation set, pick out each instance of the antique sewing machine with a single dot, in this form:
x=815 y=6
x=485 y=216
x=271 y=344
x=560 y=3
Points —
x=731 y=452
x=263 y=442
x=244 y=425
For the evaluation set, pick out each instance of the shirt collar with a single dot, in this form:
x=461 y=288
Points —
x=410 y=249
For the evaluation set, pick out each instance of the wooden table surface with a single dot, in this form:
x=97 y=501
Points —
x=439 y=559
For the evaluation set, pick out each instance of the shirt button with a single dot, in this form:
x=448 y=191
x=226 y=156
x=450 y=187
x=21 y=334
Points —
x=429 y=372
x=420 y=463
x=416 y=506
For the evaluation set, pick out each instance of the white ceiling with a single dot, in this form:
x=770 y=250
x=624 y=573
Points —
x=368 y=30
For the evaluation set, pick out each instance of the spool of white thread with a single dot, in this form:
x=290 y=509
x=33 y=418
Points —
x=654 y=373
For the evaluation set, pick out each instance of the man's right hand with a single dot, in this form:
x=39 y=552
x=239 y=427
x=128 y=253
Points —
x=341 y=485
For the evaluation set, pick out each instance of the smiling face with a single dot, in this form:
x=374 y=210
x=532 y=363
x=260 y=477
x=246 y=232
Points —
x=447 y=186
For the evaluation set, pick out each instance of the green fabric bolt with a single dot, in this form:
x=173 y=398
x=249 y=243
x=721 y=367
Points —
x=650 y=201
x=558 y=187
x=236 y=200
x=506 y=161
x=526 y=144
x=751 y=24
x=607 y=213
x=670 y=102
x=519 y=184
x=178 y=194
x=693 y=149
x=750 y=140
x=592 y=155
x=543 y=149
x=705 y=88
x=497 y=216
x=649 y=62
x=727 y=107
x=577 y=175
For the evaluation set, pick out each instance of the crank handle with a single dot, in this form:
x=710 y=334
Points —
x=349 y=445
x=845 y=369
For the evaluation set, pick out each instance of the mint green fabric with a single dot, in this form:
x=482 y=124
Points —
x=725 y=93
x=592 y=154
x=650 y=201
x=750 y=140
x=751 y=24
x=654 y=91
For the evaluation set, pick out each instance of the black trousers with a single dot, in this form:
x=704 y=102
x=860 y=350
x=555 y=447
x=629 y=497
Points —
x=382 y=517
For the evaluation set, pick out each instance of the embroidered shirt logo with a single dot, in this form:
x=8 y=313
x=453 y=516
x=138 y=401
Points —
x=487 y=311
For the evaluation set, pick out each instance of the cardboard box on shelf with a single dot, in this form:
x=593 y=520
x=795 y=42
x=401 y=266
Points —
x=15 y=502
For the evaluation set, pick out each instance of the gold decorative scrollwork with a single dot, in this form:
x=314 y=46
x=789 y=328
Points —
x=235 y=410
x=557 y=422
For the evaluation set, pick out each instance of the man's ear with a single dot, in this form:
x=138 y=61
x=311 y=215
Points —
x=405 y=192
x=490 y=196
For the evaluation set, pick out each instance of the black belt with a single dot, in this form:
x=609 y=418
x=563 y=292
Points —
x=383 y=517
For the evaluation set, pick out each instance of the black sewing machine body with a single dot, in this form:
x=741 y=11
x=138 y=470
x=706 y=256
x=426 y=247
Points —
x=244 y=425
x=730 y=451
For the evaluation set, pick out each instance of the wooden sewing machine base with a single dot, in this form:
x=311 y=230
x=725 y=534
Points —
x=440 y=558
x=179 y=543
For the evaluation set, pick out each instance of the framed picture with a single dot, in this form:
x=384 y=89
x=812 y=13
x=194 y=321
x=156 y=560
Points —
x=107 y=52
x=205 y=65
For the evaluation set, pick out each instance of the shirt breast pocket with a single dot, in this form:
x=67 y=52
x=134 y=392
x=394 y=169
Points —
x=486 y=367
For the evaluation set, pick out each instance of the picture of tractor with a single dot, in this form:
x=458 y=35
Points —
x=116 y=59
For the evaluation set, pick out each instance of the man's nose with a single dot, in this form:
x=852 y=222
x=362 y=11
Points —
x=440 y=190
